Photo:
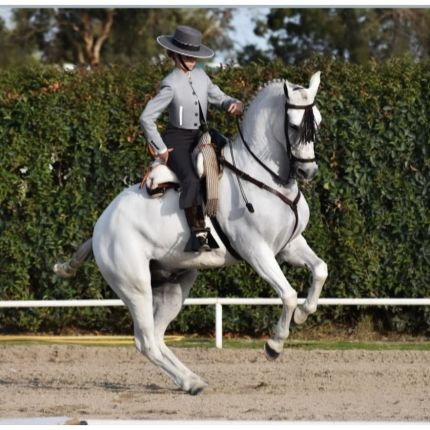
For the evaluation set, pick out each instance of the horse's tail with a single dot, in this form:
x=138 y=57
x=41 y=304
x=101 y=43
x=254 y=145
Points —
x=70 y=267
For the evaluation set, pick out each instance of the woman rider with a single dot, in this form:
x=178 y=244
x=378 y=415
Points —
x=185 y=92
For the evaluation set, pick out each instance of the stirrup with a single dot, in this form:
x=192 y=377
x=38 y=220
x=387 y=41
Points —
x=202 y=239
x=199 y=241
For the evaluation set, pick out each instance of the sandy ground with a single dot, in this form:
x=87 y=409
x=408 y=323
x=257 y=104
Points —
x=119 y=383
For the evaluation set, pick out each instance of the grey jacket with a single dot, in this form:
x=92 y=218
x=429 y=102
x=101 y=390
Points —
x=181 y=95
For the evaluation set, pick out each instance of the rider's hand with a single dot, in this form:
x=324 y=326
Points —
x=164 y=156
x=236 y=108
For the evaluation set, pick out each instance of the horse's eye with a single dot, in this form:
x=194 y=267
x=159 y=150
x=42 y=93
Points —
x=294 y=127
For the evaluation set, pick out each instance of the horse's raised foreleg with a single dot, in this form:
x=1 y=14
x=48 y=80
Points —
x=298 y=253
x=267 y=267
x=168 y=299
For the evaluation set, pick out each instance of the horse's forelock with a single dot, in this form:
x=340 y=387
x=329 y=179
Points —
x=307 y=126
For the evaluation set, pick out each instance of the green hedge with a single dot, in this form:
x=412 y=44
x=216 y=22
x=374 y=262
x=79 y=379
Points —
x=70 y=141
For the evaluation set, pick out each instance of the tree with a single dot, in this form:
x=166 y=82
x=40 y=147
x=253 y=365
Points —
x=356 y=35
x=250 y=53
x=11 y=54
x=93 y=36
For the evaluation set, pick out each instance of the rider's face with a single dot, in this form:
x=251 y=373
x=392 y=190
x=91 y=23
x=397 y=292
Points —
x=190 y=62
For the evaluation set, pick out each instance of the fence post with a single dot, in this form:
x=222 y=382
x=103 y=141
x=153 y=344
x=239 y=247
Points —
x=218 y=325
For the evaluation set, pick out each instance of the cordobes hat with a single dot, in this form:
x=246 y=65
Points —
x=186 y=41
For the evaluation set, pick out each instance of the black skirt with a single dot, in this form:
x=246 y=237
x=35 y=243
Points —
x=182 y=142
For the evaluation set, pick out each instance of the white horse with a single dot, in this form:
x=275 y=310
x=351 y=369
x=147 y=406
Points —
x=139 y=240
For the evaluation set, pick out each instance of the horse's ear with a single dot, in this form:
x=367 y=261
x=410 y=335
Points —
x=315 y=83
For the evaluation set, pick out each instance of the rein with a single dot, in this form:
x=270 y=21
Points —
x=291 y=203
x=275 y=176
x=307 y=133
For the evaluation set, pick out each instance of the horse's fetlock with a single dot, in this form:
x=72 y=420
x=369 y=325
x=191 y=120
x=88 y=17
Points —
x=310 y=308
x=276 y=345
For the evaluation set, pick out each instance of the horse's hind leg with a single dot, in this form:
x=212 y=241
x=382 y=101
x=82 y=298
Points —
x=168 y=299
x=70 y=267
x=299 y=253
x=136 y=293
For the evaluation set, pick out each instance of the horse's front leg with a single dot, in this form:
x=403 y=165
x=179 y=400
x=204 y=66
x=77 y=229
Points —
x=265 y=264
x=298 y=253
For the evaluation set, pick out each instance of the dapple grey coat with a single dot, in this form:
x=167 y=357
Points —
x=181 y=93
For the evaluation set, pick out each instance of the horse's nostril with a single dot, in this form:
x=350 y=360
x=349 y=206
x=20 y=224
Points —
x=306 y=171
x=301 y=172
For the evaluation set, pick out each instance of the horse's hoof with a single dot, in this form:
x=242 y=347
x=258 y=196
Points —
x=196 y=390
x=300 y=316
x=271 y=354
x=63 y=271
x=195 y=386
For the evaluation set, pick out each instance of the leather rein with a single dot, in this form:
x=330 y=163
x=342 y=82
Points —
x=278 y=179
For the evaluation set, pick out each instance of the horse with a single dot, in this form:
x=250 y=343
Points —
x=138 y=241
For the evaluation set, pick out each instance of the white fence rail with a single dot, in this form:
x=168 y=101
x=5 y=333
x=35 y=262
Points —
x=218 y=302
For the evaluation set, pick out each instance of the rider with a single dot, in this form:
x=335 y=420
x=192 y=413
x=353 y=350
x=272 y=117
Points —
x=186 y=92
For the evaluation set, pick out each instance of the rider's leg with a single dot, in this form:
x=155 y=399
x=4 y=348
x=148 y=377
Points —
x=196 y=221
x=183 y=142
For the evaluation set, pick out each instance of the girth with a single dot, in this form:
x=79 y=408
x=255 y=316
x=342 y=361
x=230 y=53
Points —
x=291 y=203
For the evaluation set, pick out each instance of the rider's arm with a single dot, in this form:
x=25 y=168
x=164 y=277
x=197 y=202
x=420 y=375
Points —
x=152 y=111
x=217 y=97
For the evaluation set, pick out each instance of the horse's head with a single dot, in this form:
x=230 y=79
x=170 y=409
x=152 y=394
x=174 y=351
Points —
x=302 y=119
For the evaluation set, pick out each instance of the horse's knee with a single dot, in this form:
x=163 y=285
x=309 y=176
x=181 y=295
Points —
x=321 y=271
x=290 y=301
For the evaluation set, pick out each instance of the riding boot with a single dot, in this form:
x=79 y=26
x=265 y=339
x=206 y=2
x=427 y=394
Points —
x=199 y=233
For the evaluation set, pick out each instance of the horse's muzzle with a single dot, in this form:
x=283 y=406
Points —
x=306 y=171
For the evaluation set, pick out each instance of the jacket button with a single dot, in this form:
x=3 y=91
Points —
x=195 y=103
x=194 y=93
x=195 y=125
x=196 y=114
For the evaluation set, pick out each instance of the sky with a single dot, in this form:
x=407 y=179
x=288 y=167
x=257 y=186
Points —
x=243 y=23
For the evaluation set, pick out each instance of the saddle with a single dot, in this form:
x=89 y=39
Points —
x=159 y=178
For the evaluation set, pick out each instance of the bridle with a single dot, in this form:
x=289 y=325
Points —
x=307 y=134
x=306 y=128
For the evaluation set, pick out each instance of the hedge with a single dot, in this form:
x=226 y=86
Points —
x=70 y=141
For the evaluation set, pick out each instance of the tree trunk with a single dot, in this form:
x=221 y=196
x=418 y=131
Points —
x=92 y=44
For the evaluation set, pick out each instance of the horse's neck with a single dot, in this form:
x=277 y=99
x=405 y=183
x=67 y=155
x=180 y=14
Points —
x=258 y=131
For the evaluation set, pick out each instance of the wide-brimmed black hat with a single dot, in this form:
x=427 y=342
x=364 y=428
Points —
x=186 y=41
